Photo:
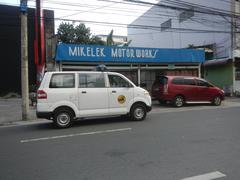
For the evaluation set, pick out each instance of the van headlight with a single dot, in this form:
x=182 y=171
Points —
x=146 y=93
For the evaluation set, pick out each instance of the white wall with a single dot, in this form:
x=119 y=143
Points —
x=173 y=38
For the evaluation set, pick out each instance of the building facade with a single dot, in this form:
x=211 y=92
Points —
x=141 y=65
x=10 y=46
x=199 y=24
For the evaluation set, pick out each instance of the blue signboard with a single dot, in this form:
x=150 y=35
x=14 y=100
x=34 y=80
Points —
x=92 y=53
x=23 y=5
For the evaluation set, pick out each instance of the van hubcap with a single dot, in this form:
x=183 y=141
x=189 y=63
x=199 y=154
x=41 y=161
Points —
x=63 y=118
x=139 y=113
x=217 y=100
x=179 y=101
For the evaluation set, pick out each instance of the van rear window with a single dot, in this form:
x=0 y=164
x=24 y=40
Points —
x=62 y=81
x=183 y=81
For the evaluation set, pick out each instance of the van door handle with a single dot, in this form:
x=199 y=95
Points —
x=114 y=91
x=84 y=92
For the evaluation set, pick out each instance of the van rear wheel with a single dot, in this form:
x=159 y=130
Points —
x=178 y=101
x=138 y=112
x=63 y=118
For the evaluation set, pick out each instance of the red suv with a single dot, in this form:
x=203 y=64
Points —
x=184 y=89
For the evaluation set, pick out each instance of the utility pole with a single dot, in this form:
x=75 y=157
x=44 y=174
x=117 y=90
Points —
x=24 y=61
x=235 y=38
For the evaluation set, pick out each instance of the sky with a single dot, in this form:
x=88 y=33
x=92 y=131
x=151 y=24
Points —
x=91 y=12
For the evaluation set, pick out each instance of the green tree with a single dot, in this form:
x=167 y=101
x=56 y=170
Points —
x=66 y=33
x=82 y=34
x=96 y=40
x=79 y=34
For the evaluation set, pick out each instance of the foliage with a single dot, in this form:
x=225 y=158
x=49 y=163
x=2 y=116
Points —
x=110 y=41
x=79 y=34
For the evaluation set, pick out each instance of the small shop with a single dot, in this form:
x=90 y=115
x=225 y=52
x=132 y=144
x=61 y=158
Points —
x=224 y=73
x=141 y=65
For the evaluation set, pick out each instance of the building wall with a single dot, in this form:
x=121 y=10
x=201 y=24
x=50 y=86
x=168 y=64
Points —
x=118 y=40
x=174 y=38
x=10 y=47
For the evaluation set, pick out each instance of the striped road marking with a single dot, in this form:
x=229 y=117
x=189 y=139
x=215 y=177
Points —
x=208 y=176
x=73 y=135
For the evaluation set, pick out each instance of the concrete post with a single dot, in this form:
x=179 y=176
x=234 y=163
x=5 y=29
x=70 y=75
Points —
x=139 y=76
x=24 y=67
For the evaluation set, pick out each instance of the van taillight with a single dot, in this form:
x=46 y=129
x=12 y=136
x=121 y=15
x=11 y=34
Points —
x=41 y=94
x=165 y=89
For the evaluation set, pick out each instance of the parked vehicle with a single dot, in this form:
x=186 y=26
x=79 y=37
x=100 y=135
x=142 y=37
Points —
x=183 y=89
x=66 y=96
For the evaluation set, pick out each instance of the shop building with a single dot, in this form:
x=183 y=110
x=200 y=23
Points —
x=141 y=65
x=204 y=24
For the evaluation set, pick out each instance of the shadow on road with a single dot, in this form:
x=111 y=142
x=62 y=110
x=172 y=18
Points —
x=48 y=125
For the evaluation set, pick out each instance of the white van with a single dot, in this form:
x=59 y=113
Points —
x=66 y=96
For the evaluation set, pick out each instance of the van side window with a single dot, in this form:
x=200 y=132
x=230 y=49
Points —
x=62 y=81
x=202 y=83
x=189 y=82
x=117 y=81
x=91 y=80
x=178 y=81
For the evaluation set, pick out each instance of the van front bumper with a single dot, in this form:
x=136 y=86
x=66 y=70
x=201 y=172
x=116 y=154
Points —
x=149 y=108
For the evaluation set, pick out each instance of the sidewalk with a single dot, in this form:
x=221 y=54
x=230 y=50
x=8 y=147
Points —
x=11 y=110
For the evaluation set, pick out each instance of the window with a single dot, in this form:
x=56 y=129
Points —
x=91 y=80
x=202 y=83
x=178 y=81
x=161 y=80
x=237 y=74
x=189 y=82
x=117 y=81
x=62 y=81
x=185 y=15
x=166 y=25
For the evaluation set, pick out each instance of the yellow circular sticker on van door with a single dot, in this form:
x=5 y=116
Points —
x=121 y=99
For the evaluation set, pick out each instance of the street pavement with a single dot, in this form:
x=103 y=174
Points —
x=197 y=142
x=11 y=112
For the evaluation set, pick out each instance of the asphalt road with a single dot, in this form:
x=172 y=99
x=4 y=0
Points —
x=171 y=144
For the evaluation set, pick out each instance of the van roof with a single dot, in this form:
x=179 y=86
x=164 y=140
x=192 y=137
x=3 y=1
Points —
x=67 y=72
x=189 y=77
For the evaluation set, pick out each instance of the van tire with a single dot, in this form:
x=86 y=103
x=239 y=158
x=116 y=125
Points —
x=63 y=118
x=138 y=112
x=178 y=101
x=217 y=100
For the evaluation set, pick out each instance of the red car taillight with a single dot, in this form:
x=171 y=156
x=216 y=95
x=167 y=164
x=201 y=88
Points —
x=41 y=94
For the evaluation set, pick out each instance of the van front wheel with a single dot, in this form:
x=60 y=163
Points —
x=138 y=112
x=217 y=101
x=63 y=118
x=178 y=101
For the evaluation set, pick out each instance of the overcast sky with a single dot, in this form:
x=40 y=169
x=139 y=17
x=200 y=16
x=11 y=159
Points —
x=92 y=11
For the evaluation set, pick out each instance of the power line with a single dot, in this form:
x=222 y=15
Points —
x=156 y=28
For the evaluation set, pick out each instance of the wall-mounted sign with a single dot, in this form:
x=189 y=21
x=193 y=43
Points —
x=171 y=66
x=23 y=5
x=90 y=53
